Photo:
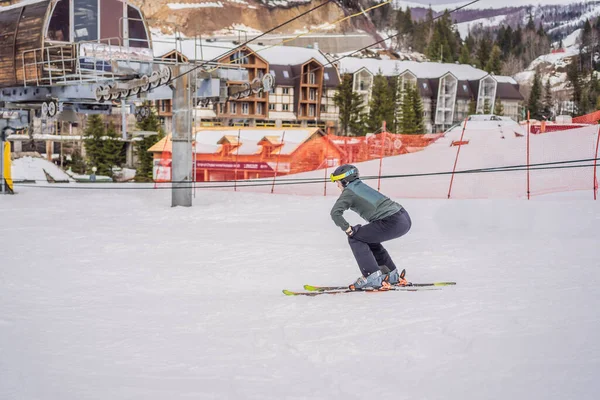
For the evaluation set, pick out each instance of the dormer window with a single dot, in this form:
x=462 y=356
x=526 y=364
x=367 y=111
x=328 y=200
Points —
x=229 y=145
x=270 y=146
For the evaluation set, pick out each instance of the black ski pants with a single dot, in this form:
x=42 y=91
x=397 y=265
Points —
x=366 y=241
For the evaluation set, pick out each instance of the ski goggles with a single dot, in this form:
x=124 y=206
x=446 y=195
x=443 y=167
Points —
x=335 y=178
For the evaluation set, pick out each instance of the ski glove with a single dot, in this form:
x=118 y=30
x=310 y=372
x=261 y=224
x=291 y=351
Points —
x=352 y=230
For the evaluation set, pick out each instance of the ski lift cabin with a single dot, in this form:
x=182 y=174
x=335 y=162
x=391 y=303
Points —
x=58 y=42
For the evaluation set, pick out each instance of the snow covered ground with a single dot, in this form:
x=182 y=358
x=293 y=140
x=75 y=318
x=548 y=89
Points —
x=113 y=294
x=107 y=292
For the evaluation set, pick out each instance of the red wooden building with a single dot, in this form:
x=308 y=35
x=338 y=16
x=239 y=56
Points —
x=225 y=154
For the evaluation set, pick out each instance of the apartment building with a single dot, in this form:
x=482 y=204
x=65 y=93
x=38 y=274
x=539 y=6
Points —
x=446 y=90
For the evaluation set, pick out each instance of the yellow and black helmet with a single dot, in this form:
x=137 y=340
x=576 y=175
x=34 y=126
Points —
x=345 y=174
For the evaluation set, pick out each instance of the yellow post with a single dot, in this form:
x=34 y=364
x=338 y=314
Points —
x=6 y=171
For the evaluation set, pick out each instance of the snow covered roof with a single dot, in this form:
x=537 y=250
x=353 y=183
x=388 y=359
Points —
x=505 y=79
x=288 y=55
x=428 y=69
x=208 y=139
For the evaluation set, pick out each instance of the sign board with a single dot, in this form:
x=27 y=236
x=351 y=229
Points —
x=248 y=166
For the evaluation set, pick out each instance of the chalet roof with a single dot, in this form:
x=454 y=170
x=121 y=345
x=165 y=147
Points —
x=464 y=90
x=209 y=140
x=508 y=91
x=288 y=55
x=425 y=88
x=284 y=75
x=350 y=65
x=331 y=78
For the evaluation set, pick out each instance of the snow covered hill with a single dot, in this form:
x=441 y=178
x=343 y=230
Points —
x=115 y=295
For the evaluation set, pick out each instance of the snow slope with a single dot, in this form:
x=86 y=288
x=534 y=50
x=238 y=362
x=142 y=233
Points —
x=32 y=169
x=490 y=146
x=482 y=4
x=115 y=295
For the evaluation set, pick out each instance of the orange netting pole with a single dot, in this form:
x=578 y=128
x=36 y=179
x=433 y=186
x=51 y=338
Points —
x=528 y=177
x=456 y=159
x=595 y=162
x=326 y=163
x=237 y=153
x=381 y=156
x=277 y=164
x=162 y=163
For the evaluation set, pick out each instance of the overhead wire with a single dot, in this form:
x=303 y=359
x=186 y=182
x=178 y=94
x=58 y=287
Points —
x=300 y=181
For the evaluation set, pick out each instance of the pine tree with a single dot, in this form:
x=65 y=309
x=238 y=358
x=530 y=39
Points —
x=382 y=106
x=548 y=103
x=487 y=107
x=94 y=134
x=472 y=107
x=530 y=24
x=103 y=147
x=494 y=64
x=418 y=110
x=534 y=103
x=483 y=51
x=465 y=55
x=575 y=82
x=145 y=159
x=409 y=118
x=498 y=108
x=350 y=106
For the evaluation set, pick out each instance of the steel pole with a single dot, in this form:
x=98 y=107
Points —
x=181 y=163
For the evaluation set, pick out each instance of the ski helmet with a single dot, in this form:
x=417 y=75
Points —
x=345 y=174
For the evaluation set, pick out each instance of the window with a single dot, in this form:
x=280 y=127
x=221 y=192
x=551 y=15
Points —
x=259 y=108
x=286 y=74
x=286 y=107
x=312 y=110
x=239 y=57
x=312 y=94
x=137 y=29
x=233 y=108
x=245 y=108
x=271 y=106
x=323 y=108
x=85 y=20
x=273 y=73
x=286 y=90
x=326 y=76
x=59 y=28
x=312 y=78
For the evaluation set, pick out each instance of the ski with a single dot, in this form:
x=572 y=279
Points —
x=346 y=290
x=312 y=288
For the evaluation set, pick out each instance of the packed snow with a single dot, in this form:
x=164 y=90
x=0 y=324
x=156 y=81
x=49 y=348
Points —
x=113 y=294
x=108 y=292
x=464 y=28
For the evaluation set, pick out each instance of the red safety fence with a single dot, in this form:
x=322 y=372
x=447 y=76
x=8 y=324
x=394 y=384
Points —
x=592 y=118
x=364 y=148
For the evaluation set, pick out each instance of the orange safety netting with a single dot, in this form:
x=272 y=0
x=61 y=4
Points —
x=592 y=118
x=364 y=148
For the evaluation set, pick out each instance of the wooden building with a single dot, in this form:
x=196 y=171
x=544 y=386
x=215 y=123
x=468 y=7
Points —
x=48 y=41
x=225 y=154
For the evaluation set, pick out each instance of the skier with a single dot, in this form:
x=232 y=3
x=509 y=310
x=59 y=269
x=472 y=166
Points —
x=387 y=220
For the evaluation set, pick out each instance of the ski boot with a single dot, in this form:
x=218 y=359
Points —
x=373 y=281
x=396 y=279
